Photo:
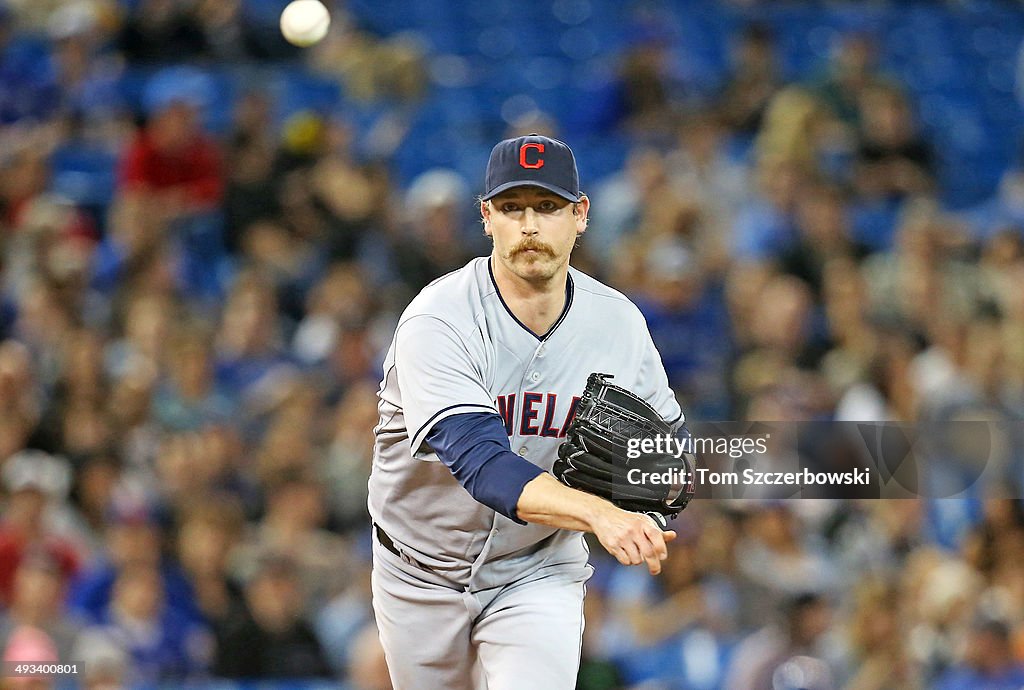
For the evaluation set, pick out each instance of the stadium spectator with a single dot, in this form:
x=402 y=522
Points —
x=20 y=400
x=78 y=426
x=97 y=478
x=754 y=80
x=87 y=74
x=339 y=301
x=161 y=643
x=922 y=283
x=433 y=239
x=36 y=484
x=370 y=67
x=343 y=196
x=350 y=455
x=789 y=647
x=988 y=661
x=133 y=540
x=189 y=400
x=290 y=261
x=772 y=541
x=824 y=235
x=649 y=89
x=105 y=663
x=293 y=527
x=764 y=223
x=52 y=242
x=249 y=347
x=161 y=31
x=355 y=354
x=36 y=601
x=854 y=339
x=673 y=630
x=625 y=197
x=145 y=321
x=704 y=173
x=170 y=184
x=272 y=640
x=685 y=312
x=290 y=434
x=210 y=530
x=797 y=129
x=877 y=637
x=28 y=89
x=251 y=166
x=196 y=463
x=129 y=407
x=893 y=161
x=852 y=69
x=229 y=35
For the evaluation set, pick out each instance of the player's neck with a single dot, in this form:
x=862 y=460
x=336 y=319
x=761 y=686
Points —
x=537 y=304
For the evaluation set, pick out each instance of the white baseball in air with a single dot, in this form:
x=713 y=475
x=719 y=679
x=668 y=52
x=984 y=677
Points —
x=304 y=22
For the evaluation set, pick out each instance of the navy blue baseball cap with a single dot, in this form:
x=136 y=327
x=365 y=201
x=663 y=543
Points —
x=534 y=161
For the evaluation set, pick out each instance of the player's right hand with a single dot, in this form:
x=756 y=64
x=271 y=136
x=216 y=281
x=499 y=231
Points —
x=633 y=538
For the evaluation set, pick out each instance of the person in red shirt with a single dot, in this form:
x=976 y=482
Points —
x=172 y=167
x=170 y=185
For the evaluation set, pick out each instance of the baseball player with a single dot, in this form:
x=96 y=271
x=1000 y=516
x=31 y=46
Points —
x=479 y=561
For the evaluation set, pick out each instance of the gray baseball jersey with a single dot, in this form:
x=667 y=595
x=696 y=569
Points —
x=457 y=349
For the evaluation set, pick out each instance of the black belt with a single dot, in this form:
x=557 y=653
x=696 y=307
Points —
x=389 y=544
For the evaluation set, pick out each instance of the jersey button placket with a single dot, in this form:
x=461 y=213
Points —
x=535 y=376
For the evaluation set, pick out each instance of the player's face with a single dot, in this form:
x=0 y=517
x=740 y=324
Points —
x=533 y=230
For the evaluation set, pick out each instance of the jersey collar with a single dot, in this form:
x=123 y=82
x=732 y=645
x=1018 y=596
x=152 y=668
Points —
x=561 y=317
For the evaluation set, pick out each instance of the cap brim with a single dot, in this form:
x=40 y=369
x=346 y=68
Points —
x=555 y=189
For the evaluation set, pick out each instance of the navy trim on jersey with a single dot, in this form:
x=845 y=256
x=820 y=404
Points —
x=440 y=412
x=569 y=290
x=473 y=445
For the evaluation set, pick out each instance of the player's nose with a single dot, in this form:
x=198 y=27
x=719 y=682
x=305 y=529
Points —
x=529 y=225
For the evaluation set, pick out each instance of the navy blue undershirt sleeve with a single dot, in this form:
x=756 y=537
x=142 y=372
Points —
x=474 y=446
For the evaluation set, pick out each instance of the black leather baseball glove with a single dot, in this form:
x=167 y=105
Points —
x=596 y=456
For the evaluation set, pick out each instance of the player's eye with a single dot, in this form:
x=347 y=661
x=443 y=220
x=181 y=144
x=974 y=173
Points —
x=547 y=206
x=509 y=207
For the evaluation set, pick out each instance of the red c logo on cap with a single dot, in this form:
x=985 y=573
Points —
x=522 y=155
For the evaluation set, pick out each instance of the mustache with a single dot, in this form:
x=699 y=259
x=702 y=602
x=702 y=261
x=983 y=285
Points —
x=530 y=243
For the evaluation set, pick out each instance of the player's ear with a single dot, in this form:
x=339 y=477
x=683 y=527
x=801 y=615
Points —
x=581 y=210
x=485 y=216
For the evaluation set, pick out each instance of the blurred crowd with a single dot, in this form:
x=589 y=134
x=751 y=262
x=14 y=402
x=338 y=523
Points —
x=188 y=373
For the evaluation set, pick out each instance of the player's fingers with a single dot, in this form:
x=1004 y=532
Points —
x=651 y=557
x=653 y=543
x=659 y=540
x=631 y=554
x=652 y=548
x=659 y=547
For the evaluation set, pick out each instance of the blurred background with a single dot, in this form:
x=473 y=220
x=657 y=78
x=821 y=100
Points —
x=208 y=235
